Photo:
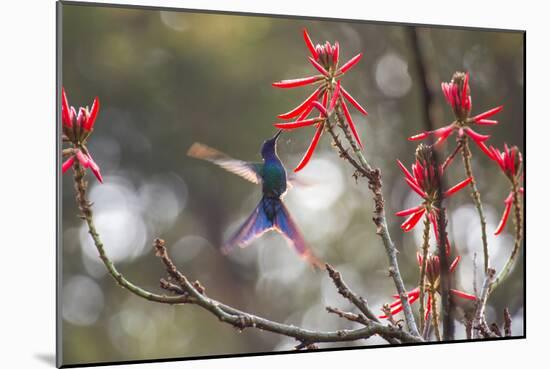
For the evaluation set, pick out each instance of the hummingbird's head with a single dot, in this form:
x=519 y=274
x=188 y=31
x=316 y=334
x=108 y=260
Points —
x=269 y=147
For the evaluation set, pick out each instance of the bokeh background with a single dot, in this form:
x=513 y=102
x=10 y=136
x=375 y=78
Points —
x=167 y=79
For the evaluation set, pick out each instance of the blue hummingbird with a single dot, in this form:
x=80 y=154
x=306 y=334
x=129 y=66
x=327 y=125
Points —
x=271 y=212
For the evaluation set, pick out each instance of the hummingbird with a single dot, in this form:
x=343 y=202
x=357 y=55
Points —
x=270 y=214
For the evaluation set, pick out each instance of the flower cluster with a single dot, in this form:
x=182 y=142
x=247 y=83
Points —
x=329 y=95
x=457 y=95
x=425 y=181
x=510 y=161
x=76 y=130
x=433 y=272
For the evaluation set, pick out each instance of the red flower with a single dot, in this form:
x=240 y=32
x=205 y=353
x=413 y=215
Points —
x=432 y=278
x=325 y=59
x=76 y=130
x=425 y=182
x=510 y=161
x=457 y=94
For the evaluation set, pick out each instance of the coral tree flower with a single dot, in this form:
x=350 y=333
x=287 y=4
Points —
x=425 y=181
x=510 y=161
x=76 y=130
x=457 y=95
x=325 y=59
x=433 y=282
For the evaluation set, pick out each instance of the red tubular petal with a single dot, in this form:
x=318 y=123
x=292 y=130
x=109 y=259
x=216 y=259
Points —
x=353 y=101
x=405 y=171
x=83 y=159
x=485 y=149
x=305 y=113
x=290 y=83
x=486 y=122
x=443 y=131
x=443 y=138
x=464 y=97
x=89 y=122
x=428 y=308
x=457 y=187
x=320 y=107
x=67 y=164
x=351 y=124
x=318 y=66
x=396 y=302
x=309 y=44
x=504 y=218
x=488 y=113
x=406 y=212
x=302 y=107
x=311 y=148
x=411 y=293
x=454 y=264
x=419 y=136
x=416 y=189
x=347 y=66
x=328 y=48
x=397 y=310
x=334 y=97
x=66 y=117
x=419 y=258
x=412 y=220
x=475 y=136
x=463 y=295
x=509 y=199
x=446 y=92
x=297 y=124
x=95 y=169
x=336 y=52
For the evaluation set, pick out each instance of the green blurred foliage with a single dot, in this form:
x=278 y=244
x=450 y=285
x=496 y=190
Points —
x=168 y=79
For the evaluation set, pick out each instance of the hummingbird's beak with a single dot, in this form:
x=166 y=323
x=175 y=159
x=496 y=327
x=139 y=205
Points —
x=277 y=135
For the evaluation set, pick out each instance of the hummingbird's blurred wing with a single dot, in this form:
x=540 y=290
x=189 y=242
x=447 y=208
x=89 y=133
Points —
x=247 y=170
x=296 y=180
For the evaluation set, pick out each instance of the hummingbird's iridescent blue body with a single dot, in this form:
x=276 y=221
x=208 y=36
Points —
x=271 y=213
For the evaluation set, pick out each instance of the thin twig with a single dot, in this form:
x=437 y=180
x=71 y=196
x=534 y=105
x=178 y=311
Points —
x=358 y=318
x=347 y=293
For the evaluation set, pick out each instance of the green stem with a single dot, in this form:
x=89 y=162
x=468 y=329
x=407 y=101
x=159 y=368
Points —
x=467 y=158
x=518 y=227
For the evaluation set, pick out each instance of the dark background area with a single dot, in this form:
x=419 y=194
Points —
x=168 y=79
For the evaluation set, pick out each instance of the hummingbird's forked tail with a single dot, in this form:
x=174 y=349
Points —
x=272 y=214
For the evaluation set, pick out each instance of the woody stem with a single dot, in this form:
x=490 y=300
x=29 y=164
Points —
x=435 y=314
x=374 y=177
x=476 y=197
x=421 y=283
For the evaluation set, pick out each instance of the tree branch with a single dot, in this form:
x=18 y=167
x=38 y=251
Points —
x=194 y=293
x=375 y=185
